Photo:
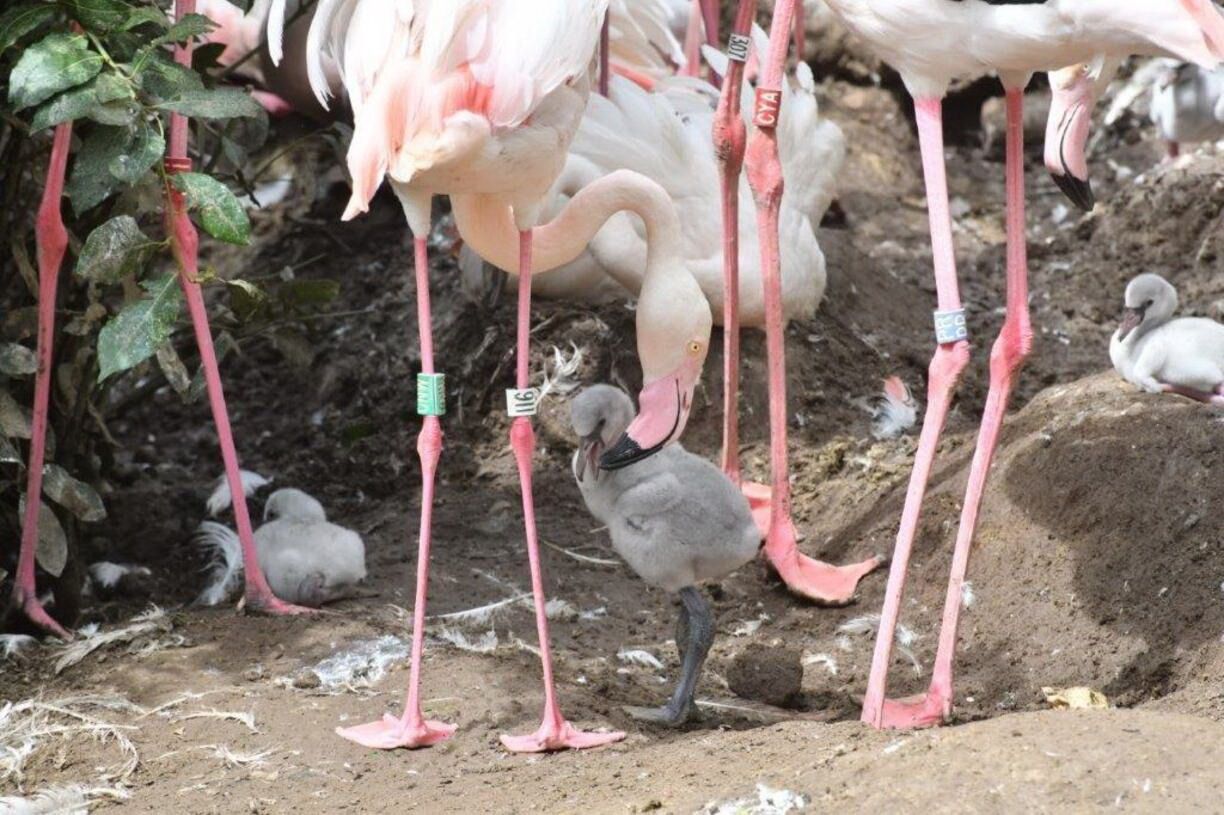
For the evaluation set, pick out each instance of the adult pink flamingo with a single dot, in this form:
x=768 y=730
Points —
x=825 y=583
x=463 y=97
x=931 y=42
x=52 y=242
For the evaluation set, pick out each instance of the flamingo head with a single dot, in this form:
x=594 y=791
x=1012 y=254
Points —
x=673 y=340
x=1073 y=94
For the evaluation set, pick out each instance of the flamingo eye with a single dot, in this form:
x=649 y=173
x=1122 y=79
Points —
x=694 y=347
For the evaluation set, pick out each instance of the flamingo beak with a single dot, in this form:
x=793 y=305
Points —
x=663 y=410
x=1066 y=143
x=588 y=455
x=1131 y=317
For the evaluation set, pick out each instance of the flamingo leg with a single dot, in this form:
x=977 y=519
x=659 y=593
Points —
x=184 y=242
x=710 y=11
x=604 y=56
x=825 y=583
x=555 y=733
x=693 y=37
x=412 y=729
x=730 y=137
x=1010 y=350
x=52 y=243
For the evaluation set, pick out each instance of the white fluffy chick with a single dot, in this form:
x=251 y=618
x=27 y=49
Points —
x=307 y=559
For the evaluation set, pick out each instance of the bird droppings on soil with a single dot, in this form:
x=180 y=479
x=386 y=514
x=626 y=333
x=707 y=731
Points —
x=772 y=674
x=1097 y=562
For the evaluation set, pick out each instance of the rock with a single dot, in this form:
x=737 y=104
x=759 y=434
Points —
x=306 y=679
x=769 y=674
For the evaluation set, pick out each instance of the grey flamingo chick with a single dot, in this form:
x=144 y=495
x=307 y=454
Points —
x=675 y=518
x=1161 y=354
x=307 y=559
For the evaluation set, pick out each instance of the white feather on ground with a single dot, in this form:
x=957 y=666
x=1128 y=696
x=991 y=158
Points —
x=897 y=411
x=225 y=561
x=639 y=657
x=107 y=575
x=484 y=644
x=148 y=624
x=59 y=799
x=904 y=637
x=563 y=378
x=13 y=644
x=221 y=498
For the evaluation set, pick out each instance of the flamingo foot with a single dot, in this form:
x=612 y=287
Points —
x=928 y=709
x=271 y=605
x=36 y=614
x=758 y=496
x=822 y=582
x=558 y=734
x=392 y=732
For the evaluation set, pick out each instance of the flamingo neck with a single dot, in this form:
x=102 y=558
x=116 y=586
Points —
x=487 y=225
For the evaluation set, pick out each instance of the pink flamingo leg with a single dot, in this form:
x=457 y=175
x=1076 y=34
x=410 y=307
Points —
x=555 y=732
x=52 y=242
x=412 y=729
x=1010 y=350
x=799 y=32
x=730 y=137
x=184 y=242
x=693 y=39
x=710 y=11
x=822 y=582
x=604 y=56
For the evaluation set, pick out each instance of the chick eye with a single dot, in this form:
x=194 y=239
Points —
x=1148 y=304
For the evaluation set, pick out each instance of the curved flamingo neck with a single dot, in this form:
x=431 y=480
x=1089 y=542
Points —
x=487 y=225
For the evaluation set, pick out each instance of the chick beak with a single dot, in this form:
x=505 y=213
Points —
x=1131 y=317
x=588 y=455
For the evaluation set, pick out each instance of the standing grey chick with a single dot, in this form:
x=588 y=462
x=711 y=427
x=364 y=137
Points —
x=307 y=559
x=675 y=518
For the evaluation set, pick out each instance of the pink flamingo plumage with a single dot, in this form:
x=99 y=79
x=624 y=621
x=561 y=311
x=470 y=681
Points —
x=931 y=42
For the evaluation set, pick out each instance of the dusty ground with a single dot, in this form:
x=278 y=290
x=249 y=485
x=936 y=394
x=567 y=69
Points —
x=1097 y=562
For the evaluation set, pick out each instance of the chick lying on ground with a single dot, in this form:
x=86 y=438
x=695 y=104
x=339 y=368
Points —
x=306 y=559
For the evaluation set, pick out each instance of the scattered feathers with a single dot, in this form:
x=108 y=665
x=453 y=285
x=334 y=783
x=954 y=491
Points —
x=640 y=658
x=897 y=411
x=220 y=499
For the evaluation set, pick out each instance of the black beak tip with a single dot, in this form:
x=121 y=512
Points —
x=626 y=451
x=1079 y=191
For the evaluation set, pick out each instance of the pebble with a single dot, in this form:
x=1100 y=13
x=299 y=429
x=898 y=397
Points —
x=772 y=674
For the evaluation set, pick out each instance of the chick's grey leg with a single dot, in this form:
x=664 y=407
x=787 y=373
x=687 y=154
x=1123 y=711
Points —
x=700 y=636
x=682 y=631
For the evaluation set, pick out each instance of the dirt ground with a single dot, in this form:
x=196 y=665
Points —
x=1098 y=559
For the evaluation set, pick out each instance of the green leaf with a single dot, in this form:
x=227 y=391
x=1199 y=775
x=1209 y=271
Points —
x=18 y=21
x=309 y=292
x=69 y=105
x=52 y=551
x=17 y=360
x=135 y=333
x=145 y=148
x=174 y=369
x=144 y=15
x=75 y=496
x=15 y=420
x=115 y=249
x=8 y=453
x=53 y=64
x=187 y=27
x=220 y=213
x=246 y=299
x=90 y=100
x=110 y=157
x=163 y=79
x=99 y=15
x=214 y=103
